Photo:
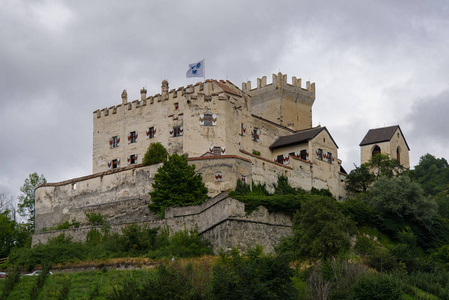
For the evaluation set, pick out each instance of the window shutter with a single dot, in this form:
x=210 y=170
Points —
x=223 y=151
x=214 y=120
x=136 y=158
x=118 y=162
x=243 y=129
x=110 y=143
x=181 y=131
x=154 y=131
x=286 y=159
x=201 y=119
x=324 y=155
x=129 y=137
x=297 y=154
x=109 y=164
x=118 y=140
x=148 y=133
x=307 y=154
x=257 y=135
x=136 y=136
x=333 y=158
x=129 y=159
x=211 y=148
x=317 y=154
x=218 y=176
x=171 y=132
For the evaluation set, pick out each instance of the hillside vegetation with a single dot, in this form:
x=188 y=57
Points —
x=390 y=240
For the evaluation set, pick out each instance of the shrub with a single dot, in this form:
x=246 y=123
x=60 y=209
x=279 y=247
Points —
x=184 y=243
x=95 y=218
x=252 y=276
x=155 y=154
x=377 y=286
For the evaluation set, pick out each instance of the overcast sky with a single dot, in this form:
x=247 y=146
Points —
x=375 y=64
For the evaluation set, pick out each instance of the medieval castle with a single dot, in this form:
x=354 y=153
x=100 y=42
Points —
x=230 y=134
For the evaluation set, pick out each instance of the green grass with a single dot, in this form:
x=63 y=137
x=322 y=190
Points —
x=82 y=284
x=22 y=288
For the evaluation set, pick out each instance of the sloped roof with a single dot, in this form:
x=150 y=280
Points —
x=299 y=137
x=379 y=135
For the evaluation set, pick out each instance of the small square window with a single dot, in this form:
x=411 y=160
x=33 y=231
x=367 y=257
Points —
x=303 y=154
x=208 y=120
x=329 y=157
x=177 y=131
x=217 y=151
x=132 y=137
x=319 y=154
x=255 y=133
x=115 y=140
x=152 y=133
x=115 y=163
x=280 y=159
x=176 y=106
x=133 y=159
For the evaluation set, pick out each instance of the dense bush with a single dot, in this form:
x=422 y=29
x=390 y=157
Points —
x=377 y=286
x=252 y=276
x=134 y=241
x=184 y=243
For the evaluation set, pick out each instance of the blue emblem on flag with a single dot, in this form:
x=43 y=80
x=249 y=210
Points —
x=196 y=69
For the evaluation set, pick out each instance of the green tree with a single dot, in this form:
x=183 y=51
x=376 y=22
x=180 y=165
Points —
x=383 y=165
x=155 y=154
x=320 y=230
x=400 y=197
x=27 y=197
x=12 y=234
x=359 y=179
x=176 y=184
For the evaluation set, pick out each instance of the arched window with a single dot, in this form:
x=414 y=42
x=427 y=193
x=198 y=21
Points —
x=398 y=154
x=376 y=150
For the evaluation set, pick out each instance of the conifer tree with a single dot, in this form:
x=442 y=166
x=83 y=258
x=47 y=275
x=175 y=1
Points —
x=176 y=184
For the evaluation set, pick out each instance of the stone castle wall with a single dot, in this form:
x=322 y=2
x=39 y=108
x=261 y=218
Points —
x=221 y=220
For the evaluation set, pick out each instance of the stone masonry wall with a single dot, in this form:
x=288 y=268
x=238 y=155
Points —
x=221 y=220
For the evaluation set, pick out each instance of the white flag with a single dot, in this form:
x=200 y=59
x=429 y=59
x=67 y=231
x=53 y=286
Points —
x=196 y=69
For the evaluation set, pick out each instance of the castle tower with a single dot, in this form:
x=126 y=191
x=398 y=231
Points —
x=286 y=104
x=385 y=140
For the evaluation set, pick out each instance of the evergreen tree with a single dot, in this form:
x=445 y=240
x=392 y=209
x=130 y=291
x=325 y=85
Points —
x=176 y=184
x=155 y=154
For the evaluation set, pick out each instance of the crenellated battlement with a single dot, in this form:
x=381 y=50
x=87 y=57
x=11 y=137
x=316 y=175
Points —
x=210 y=90
x=279 y=81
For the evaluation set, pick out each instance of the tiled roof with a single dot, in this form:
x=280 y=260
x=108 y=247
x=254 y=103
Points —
x=380 y=135
x=298 y=138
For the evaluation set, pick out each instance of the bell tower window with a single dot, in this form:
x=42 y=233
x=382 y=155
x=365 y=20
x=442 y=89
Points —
x=376 y=150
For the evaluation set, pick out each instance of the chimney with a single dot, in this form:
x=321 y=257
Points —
x=124 y=97
x=143 y=94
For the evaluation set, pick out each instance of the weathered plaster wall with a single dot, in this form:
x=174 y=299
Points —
x=121 y=194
